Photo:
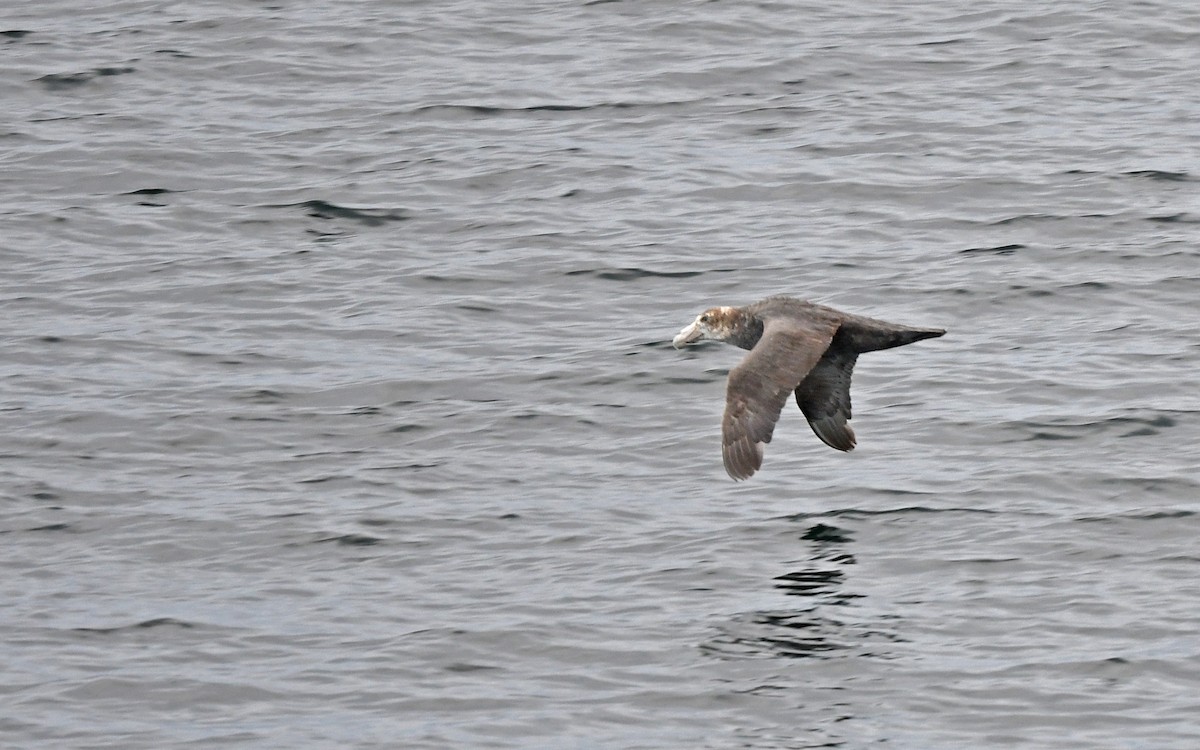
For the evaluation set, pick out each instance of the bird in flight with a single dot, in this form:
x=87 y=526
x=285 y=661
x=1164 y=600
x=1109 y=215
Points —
x=795 y=347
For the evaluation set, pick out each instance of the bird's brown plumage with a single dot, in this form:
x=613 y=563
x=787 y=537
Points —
x=760 y=386
x=797 y=348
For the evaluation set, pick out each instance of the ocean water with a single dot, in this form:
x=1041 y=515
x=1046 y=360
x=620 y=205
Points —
x=339 y=409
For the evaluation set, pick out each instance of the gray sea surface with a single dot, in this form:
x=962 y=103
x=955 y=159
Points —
x=338 y=406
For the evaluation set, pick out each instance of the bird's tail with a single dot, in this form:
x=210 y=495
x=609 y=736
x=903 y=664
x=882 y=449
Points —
x=873 y=335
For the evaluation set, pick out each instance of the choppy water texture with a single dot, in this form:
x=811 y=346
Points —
x=339 y=409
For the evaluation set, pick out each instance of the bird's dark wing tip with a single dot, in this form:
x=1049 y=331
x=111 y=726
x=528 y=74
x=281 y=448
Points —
x=834 y=432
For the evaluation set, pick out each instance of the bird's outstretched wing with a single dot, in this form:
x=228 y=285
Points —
x=824 y=397
x=759 y=387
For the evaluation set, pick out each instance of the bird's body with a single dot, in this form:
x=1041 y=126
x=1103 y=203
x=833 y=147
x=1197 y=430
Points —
x=796 y=347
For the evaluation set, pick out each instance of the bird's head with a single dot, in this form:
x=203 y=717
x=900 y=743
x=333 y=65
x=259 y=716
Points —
x=716 y=324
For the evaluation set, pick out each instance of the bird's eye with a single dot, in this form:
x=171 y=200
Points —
x=703 y=318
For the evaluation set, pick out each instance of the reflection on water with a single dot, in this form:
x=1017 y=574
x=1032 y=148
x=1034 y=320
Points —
x=822 y=626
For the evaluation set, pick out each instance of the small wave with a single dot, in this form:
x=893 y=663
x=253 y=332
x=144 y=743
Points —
x=51 y=527
x=372 y=217
x=1160 y=174
x=856 y=513
x=156 y=622
x=997 y=250
x=62 y=81
x=1067 y=431
x=629 y=274
x=492 y=111
x=1028 y=218
x=262 y=396
x=812 y=582
x=829 y=534
x=150 y=191
x=1180 y=218
x=1156 y=515
x=351 y=540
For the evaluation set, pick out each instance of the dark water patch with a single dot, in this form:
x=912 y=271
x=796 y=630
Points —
x=407 y=427
x=531 y=416
x=483 y=110
x=830 y=534
x=1030 y=218
x=862 y=513
x=322 y=479
x=60 y=81
x=1140 y=432
x=319 y=236
x=1180 y=218
x=477 y=308
x=67 y=118
x=371 y=217
x=351 y=540
x=1153 y=515
x=798 y=647
x=1160 y=175
x=691 y=380
x=1171 y=487
x=1077 y=430
x=157 y=622
x=150 y=191
x=1052 y=436
x=811 y=582
x=173 y=53
x=791 y=634
x=996 y=250
x=51 y=527
x=248 y=418
x=659 y=344
x=262 y=396
x=65 y=81
x=1029 y=291
x=15 y=34
x=464 y=667
x=630 y=274
x=745 y=637
x=464 y=280
x=376 y=522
